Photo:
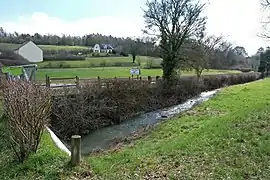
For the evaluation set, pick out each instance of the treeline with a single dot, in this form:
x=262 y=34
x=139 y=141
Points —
x=144 y=45
x=223 y=56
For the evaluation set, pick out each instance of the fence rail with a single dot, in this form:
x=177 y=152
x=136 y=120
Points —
x=77 y=80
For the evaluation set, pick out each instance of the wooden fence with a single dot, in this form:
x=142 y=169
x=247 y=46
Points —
x=76 y=80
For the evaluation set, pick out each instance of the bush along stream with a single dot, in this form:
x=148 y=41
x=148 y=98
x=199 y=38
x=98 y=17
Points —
x=95 y=106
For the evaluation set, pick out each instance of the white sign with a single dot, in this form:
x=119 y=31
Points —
x=135 y=72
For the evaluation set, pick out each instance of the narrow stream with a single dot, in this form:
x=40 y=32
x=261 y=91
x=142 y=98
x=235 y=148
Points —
x=102 y=138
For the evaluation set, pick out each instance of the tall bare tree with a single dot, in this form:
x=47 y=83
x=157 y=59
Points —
x=265 y=19
x=198 y=52
x=173 y=21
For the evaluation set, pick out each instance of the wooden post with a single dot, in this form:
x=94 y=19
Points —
x=75 y=150
x=47 y=80
x=149 y=79
x=77 y=79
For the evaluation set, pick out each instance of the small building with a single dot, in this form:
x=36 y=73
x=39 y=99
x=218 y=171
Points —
x=28 y=50
x=103 y=48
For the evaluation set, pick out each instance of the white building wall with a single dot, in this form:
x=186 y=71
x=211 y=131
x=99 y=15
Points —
x=31 y=52
x=96 y=48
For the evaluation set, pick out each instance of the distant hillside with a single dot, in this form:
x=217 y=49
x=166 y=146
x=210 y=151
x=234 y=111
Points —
x=143 y=46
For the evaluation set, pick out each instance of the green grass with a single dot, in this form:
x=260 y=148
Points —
x=48 y=163
x=92 y=62
x=225 y=138
x=45 y=163
x=53 y=47
x=111 y=72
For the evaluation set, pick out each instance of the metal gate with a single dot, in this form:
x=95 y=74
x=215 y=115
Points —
x=25 y=72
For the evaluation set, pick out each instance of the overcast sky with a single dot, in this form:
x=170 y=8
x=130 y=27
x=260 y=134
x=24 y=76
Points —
x=238 y=20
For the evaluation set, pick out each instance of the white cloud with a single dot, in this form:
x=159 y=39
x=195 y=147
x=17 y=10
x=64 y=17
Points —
x=239 y=20
x=44 y=24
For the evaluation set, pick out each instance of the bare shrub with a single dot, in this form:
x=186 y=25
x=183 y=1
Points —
x=97 y=104
x=27 y=107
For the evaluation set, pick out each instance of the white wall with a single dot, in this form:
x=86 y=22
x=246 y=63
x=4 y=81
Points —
x=96 y=48
x=31 y=52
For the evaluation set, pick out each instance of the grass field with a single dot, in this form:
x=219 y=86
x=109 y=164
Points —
x=111 y=72
x=52 y=47
x=225 y=138
x=109 y=62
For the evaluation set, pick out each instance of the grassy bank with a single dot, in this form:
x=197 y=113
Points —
x=48 y=163
x=225 y=138
x=111 y=72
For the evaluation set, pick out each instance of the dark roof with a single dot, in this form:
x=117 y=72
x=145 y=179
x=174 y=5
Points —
x=12 y=47
x=106 y=46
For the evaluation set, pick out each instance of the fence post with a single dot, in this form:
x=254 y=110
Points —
x=77 y=81
x=149 y=79
x=75 y=150
x=48 y=81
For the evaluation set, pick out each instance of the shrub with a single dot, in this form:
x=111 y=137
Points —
x=27 y=107
x=97 y=105
x=95 y=54
x=9 y=58
x=63 y=58
x=103 y=64
x=124 y=54
x=245 y=69
x=124 y=64
x=113 y=51
x=71 y=52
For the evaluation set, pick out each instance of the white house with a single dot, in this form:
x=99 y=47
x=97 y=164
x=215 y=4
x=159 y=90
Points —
x=103 y=48
x=29 y=50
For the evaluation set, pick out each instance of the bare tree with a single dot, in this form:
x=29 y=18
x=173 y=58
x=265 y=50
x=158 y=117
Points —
x=198 y=52
x=265 y=3
x=265 y=19
x=173 y=21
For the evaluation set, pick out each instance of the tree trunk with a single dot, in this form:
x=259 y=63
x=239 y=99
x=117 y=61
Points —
x=169 y=72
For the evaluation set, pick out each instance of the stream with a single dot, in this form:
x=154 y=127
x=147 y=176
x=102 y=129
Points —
x=101 y=139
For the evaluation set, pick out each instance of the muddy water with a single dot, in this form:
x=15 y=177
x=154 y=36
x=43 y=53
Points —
x=101 y=139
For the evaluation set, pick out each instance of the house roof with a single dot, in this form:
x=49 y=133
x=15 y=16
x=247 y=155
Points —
x=106 y=46
x=12 y=47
